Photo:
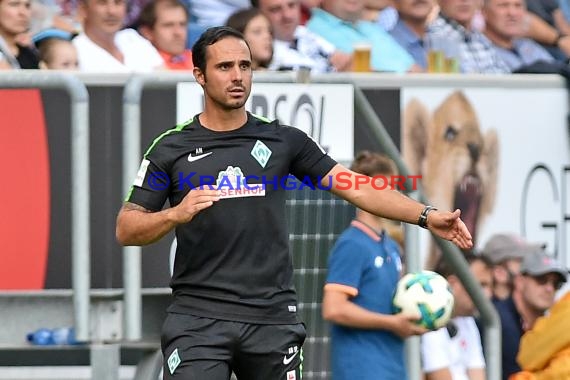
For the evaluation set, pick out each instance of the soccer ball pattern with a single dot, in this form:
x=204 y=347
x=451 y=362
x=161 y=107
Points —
x=427 y=294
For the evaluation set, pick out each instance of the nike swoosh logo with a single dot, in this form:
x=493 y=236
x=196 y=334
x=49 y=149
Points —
x=287 y=360
x=192 y=158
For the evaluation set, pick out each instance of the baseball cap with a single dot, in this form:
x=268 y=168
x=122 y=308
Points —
x=539 y=263
x=501 y=247
x=45 y=34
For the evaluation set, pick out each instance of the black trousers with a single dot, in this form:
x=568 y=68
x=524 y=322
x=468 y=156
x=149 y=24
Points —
x=197 y=348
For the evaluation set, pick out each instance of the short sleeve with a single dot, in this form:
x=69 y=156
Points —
x=345 y=266
x=310 y=159
x=434 y=346
x=150 y=188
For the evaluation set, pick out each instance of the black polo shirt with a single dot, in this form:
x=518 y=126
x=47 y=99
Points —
x=232 y=260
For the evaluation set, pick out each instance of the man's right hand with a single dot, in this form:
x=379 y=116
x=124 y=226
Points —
x=139 y=226
x=194 y=202
x=406 y=325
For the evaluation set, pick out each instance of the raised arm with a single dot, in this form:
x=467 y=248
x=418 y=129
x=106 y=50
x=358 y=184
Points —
x=392 y=204
x=139 y=226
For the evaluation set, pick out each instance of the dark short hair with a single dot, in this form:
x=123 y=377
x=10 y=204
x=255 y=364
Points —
x=444 y=268
x=255 y=3
x=372 y=164
x=148 y=17
x=241 y=18
x=210 y=37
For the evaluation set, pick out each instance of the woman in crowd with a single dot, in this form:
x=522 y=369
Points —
x=258 y=34
x=14 y=22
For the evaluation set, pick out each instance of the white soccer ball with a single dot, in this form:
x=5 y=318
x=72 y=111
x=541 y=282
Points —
x=426 y=294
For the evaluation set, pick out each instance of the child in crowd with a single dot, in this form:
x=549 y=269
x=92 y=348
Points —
x=58 y=54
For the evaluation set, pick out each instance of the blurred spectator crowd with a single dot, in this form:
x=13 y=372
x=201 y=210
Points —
x=452 y=36
x=526 y=286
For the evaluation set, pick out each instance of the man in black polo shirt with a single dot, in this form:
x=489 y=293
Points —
x=235 y=307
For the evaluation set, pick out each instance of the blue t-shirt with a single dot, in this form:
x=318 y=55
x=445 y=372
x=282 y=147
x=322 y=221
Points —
x=371 y=264
x=386 y=55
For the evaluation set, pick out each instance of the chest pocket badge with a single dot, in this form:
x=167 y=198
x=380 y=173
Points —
x=378 y=261
x=261 y=153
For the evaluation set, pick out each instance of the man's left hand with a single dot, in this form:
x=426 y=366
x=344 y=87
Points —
x=448 y=225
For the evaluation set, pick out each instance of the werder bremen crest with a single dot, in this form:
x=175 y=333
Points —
x=261 y=153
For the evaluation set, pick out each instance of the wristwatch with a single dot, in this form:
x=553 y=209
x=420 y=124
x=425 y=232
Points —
x=422 y=220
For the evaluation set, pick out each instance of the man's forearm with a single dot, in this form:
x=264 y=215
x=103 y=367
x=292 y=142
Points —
x=141 y=227
x=392 y=204
x=386 y=203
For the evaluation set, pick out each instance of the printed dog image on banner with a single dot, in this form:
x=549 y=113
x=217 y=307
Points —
x=457 y=162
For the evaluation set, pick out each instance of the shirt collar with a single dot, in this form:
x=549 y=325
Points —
x=371 y=232
x=180 y=58
x=455 y=25
x=406 y=33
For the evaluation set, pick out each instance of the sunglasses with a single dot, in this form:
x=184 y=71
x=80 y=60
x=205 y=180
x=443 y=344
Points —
x=543 y=280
